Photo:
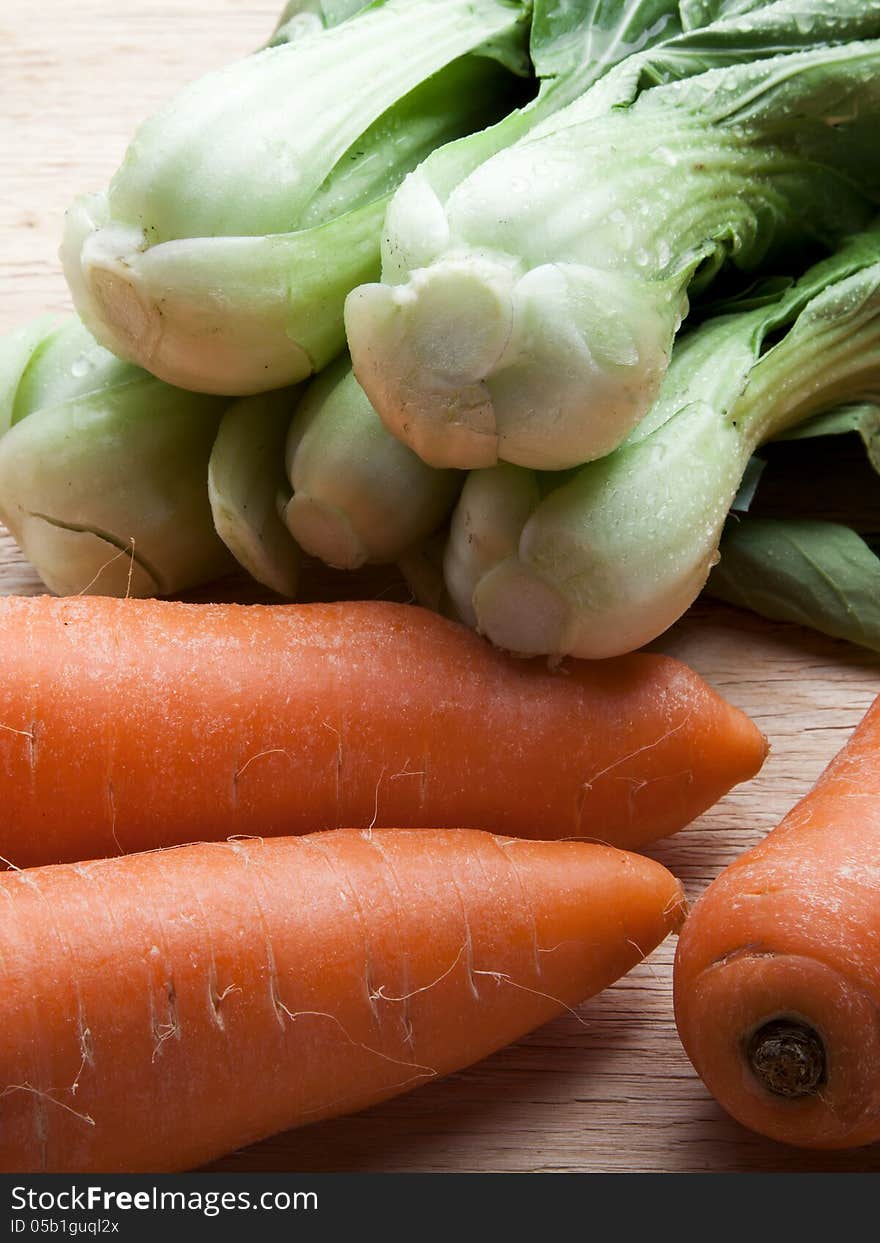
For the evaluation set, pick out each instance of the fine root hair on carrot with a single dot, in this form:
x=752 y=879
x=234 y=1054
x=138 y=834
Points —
x=123 y=552
x=501 y=977
x=641 y=953
x=678 y=904
x=165 y=1027
x=162 y=1033
x=648 y=746
x=259 y=756
x=372 y=823
x=644 y=960
x=551 y=949
x=238 y=845
x=88 y=1056
x=111 y=799
x=217 y=998
x=130 y=567
x=379 y=994
x=337 y=773
x=423 y=1072
x=581 y=838
x=45 y=1097
x=406 y=771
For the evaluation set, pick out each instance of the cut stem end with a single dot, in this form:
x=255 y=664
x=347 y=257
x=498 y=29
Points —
x=788 y=1058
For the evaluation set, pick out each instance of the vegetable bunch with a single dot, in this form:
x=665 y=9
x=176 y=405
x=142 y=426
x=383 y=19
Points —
x=603 y=559
x=511 y=293
x=552 y=195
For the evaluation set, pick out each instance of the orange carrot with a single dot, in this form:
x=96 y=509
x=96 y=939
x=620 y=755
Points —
x=777 y=975
x=159 y=1010
x=131 y=724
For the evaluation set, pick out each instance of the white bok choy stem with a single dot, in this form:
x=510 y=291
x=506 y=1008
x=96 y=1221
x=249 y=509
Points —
x=534 y=324
x=104 y=468
x=358 y=494
x=630 y=47
x=246 y=209
x=602 y=560
x=247 y=487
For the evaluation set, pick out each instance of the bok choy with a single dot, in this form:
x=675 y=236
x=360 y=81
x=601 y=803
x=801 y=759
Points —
x=247 y=487
x=358 y=494
x=247 y=208
x=533 y=320
x=103 y=468
x=600 y=560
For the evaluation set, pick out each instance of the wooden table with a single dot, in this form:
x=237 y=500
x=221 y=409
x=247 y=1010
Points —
x=613 y=1091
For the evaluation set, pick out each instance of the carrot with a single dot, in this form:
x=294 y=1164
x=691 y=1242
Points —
x=777 y=974
x=131 y=724
x=161 y=1009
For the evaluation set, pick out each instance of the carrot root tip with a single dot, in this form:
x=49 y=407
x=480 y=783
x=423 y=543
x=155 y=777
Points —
x=787 y=1057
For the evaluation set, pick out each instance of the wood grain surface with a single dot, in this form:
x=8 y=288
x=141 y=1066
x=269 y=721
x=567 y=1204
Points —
x=612 y=1088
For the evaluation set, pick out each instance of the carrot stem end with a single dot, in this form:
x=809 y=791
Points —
x=788 y=1058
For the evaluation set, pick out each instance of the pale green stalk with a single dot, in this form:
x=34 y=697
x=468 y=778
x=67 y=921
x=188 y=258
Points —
x=103 y=468
x=359 y=495
x=608 y=559
x=529 y=315
x=245 y=210
x=247 y=485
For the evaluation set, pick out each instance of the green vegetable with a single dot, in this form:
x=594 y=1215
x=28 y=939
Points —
x=17 y=350
x=572 y=46
x=528 y=315
x=818 y=574
x=359 y=495
x=247 y=485
x=603 y=560
x=244 y=211
x=485 y=531
x=103 y=469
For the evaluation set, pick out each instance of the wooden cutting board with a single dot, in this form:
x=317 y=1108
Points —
x=608 y=1090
